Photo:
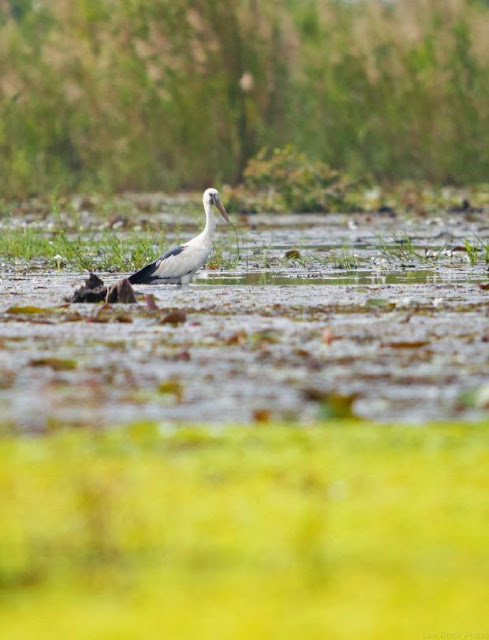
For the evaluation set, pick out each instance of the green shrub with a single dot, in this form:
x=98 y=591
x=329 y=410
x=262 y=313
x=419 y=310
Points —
x=288 y=181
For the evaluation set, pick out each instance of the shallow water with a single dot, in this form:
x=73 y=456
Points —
x=289 y=341
x=338 y=277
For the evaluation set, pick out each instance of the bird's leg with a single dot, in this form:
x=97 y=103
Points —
x=183 y=284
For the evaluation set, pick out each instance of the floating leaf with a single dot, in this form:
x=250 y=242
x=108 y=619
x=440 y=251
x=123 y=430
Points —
x=405 y=344
x=292 y=254
x=174 y=317
x=173 y=387
x=7 y=378
x=72 y=317
x=477 y=398
x=123 y=317
x=28 y=309
x=181 y=356
x=108 y=313
x=239 y=338
x=379 y=303
x=262 y=415
x=103 y=314
x=58 y=364
x=332 y=404
x=270 y=336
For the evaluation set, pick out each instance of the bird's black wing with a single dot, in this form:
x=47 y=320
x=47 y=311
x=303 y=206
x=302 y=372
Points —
x=147 y=274
x=144 y=275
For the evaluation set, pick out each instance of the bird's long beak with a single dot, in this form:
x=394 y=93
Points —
x=223 y=211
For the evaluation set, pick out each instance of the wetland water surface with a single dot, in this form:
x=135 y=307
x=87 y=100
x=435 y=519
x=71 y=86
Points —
x=372 y=276
x=284 y=334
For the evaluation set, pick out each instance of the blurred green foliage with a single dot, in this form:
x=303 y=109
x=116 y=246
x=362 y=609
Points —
x=286 y=180
x=156 y=94
x=344 y=531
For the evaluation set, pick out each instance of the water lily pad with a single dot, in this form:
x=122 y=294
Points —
x=292 y=254
x=380 y=303
x=28 y=309
x=406 y=344
x=58 y=364
x=332 y=404
x=173 y=387
x=174 y=317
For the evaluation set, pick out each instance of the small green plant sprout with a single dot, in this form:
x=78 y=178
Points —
x=485 y=249
x=59 y=261
x=472 y=252
x=346 y=260
x=400 y=248
x=221 y=259
x=224 y=254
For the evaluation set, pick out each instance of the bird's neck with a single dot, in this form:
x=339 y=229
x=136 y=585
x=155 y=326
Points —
x=210 y=222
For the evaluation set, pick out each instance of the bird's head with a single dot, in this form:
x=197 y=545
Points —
x=211 y=197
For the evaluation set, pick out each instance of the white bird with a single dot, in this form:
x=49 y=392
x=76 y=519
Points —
x=179 y=264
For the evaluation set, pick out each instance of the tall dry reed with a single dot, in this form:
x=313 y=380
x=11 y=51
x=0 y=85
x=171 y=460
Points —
x=158 y=94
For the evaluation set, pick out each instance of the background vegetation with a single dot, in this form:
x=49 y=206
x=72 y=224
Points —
x=158 y=94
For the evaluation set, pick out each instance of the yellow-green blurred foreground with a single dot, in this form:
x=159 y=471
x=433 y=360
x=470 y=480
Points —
x=270 y=532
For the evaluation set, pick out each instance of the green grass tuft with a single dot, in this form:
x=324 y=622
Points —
x=104 y=250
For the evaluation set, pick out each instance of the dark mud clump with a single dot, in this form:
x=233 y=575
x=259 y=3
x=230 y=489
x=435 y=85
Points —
x=121 y=291
x=94 y=290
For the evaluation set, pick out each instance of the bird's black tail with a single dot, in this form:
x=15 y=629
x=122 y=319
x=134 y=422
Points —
x=144 y=275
